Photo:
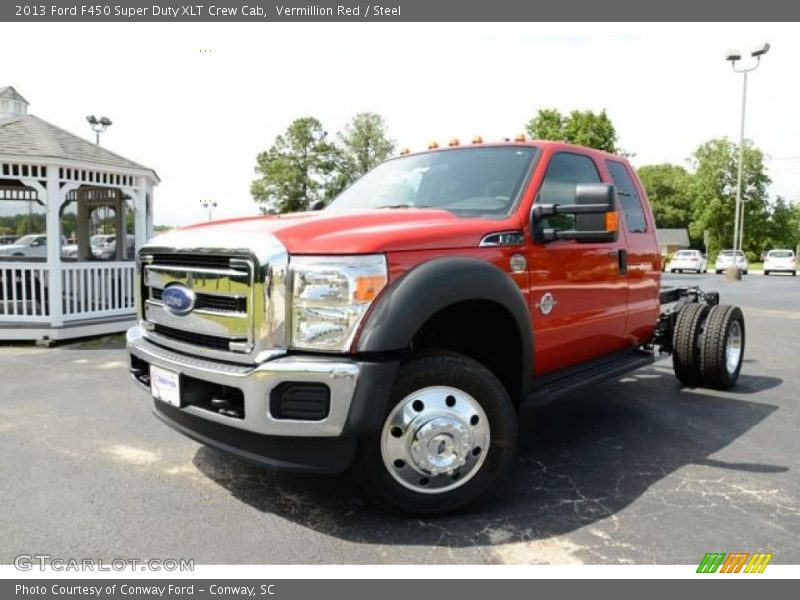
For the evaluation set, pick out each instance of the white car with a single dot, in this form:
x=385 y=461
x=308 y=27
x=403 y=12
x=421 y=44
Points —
x=780 y=261
x=725 y=261
x=688 y=260
x=34 y=244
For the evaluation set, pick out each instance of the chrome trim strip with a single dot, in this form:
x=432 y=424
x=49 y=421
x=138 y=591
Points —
x=341 y=376
x=503 y=238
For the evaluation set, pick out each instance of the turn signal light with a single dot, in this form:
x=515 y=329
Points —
x=433 y=146
x=477 y=140
x=612 y=221
x=367 y=287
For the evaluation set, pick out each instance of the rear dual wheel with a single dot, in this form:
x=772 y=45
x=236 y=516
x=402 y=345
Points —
x=708 y=345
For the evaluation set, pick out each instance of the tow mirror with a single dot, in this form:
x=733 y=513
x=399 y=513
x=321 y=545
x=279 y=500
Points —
x=596 y=217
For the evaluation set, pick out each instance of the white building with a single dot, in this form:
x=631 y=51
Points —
x=69 y=203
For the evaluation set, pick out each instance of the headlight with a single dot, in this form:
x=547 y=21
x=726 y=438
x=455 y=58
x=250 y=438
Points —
x=330 y=296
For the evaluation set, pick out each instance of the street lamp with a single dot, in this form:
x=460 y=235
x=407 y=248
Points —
x=738 y=222
x=98 y=126
x=210 y=205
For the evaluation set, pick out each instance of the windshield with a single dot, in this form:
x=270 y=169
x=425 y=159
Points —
x=729 y=253
x=780 y=254
x=26 y=240
x=468 y=182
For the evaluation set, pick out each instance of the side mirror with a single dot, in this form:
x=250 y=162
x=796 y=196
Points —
x=596 y=217
x=318 y=205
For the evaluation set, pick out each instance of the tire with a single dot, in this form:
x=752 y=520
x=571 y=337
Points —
x=794 y=273
x=744 y=272
x=672 y=271
x=386 y=467
x=719 y=272
x=766 y=273
x=720 y=362
x=686 y=345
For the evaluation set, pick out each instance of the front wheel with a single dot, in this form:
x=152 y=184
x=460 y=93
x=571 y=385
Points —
x=447 y=440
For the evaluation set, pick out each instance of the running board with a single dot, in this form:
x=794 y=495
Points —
x=572 y=379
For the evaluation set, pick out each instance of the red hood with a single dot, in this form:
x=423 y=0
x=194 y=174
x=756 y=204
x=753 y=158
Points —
x=362 y=232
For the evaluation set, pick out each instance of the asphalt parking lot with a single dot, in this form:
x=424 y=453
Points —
x=637 y=471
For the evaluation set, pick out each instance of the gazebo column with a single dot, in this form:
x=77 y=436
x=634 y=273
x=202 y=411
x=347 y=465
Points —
x=140 y=212
x=55 y=197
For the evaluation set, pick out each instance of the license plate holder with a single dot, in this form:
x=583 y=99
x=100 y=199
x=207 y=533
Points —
x=165 y=385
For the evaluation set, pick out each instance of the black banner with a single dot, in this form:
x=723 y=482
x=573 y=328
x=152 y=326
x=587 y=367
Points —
x=394 y=11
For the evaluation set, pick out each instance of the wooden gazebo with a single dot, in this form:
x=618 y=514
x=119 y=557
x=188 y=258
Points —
x=72 y=215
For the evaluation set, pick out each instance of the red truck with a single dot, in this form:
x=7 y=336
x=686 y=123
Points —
x=397 y=331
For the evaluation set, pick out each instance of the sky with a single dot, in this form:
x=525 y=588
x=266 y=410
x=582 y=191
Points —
x=198 y=102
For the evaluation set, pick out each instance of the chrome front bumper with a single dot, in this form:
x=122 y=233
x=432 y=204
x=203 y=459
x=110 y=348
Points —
x=257 y=382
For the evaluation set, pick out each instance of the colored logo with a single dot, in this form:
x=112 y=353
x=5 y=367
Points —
x=547 y=304
x=178 y=299
x=737 y=562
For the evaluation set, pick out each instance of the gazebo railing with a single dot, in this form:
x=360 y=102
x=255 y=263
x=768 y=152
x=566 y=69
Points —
x=91 y=290
x=96 y=289
x=23 y=292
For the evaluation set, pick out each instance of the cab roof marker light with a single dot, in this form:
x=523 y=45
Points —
x=477 y=139
x=433 y=145
x=405 y=151
x=454 y=142
x=520 y=137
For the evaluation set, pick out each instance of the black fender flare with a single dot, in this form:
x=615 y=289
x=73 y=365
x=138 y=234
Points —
x=407 y=304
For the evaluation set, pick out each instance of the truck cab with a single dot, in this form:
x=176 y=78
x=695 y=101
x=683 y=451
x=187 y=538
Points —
x=397 y=331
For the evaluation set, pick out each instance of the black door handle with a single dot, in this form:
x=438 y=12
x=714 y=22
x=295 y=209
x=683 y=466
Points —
x=622 y=261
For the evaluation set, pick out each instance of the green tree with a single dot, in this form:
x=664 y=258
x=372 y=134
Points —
x=784 y=225
x=548 y=124
x=668 y=188
x=294 y=171
x=362 y=145
x=582 y=127
x=714 y=191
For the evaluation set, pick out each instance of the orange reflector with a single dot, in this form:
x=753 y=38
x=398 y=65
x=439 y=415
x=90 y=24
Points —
x=612 y=221
x=477 y=140
x=405 y=151
x=433 y=146
x=520 y=137
x=367 y=288
x=454 y=142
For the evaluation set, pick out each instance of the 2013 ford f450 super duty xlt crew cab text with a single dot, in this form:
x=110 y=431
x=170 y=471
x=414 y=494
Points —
x=397 y=331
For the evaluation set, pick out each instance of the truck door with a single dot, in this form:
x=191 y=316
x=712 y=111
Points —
x=579 y=290
x=643 y=253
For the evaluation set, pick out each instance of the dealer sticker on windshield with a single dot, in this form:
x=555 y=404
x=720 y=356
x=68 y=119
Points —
x=165 y=385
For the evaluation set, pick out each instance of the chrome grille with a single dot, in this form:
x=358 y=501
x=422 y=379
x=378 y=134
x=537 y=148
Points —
x=239 y=284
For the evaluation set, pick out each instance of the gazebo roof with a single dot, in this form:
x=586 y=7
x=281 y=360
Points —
x=9 y=93
x=29 y=136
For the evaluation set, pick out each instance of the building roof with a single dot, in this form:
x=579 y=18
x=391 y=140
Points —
x=31 y=137
x=673 y=237
x=9 y=93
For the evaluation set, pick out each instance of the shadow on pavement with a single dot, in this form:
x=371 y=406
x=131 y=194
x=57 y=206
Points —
x=580 y=460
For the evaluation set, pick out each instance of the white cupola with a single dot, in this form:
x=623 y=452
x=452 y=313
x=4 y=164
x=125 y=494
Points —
x=12 y=104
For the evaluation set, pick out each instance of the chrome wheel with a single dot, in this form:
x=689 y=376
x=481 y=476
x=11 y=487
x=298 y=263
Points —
x=435 y=439
x=733 y=347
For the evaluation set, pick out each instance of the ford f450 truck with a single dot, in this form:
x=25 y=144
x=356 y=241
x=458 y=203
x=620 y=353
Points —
x=397 y=331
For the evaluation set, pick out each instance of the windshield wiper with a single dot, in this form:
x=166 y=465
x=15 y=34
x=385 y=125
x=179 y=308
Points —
x=409 y=206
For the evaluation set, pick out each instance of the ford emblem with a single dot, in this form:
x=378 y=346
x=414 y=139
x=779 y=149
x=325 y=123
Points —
x=178 y=300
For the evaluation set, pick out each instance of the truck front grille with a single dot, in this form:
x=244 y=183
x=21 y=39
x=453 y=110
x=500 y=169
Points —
x=223 y=285
x=197 y=339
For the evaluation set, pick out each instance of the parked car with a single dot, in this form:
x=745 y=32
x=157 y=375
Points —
x=31 y=245
x=780 y=261
x=399 y=329
x=725 y=260
x=688 y=260
x=108 y=249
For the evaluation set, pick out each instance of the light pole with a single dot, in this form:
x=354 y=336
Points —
x=210 y=205
x=738 y=222
x=98 y=126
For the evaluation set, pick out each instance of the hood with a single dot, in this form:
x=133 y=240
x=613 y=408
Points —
x=11 y=248
x=361 y=232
